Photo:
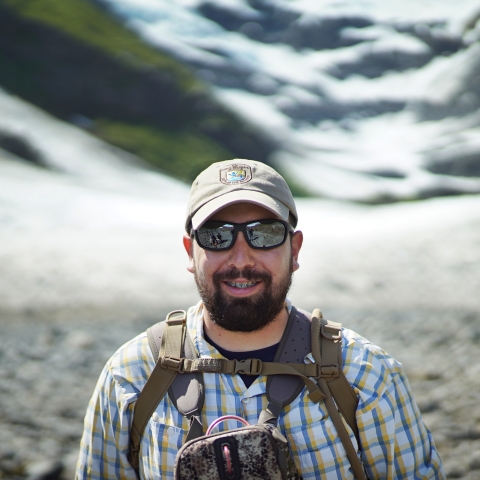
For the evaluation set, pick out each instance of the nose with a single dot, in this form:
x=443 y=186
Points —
x=241 y=255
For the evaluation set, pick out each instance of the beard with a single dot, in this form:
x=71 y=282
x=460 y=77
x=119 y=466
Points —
x=244 y=314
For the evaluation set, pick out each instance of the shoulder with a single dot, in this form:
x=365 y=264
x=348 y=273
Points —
x=360 y=351
x=368 y=367
x=363 y=361
x=132 y=363
x=123 y=377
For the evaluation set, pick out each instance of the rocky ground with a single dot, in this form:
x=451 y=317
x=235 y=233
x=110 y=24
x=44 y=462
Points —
x=49 y=369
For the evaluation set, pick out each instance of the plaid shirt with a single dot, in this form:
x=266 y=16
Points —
x=395 y=444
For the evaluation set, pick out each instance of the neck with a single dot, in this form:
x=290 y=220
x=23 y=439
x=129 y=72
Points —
x=246 y=341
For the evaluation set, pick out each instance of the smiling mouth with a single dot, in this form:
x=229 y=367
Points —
x=241 y=285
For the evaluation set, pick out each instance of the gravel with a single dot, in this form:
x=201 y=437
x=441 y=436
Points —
x=49 y=369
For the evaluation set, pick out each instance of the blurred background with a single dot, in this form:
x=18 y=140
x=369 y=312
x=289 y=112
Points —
x=110 y=108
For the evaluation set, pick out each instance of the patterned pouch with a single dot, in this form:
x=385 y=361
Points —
x=253 y=452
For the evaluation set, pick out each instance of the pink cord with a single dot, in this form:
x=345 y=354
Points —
x=222 y=419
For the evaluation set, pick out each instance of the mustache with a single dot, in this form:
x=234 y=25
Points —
x=248 y=274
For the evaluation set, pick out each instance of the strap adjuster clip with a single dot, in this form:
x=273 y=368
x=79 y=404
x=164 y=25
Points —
x=250 y=366
x=174 y=364
x=329 y=371
x=331 y=332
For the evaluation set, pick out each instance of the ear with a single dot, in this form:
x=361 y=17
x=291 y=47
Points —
x=297 y=241
x=188 y=245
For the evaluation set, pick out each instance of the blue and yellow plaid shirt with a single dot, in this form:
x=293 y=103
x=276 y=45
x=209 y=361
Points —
x=395 y=443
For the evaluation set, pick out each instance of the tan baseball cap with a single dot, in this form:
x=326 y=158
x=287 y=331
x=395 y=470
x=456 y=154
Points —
x=234 y=181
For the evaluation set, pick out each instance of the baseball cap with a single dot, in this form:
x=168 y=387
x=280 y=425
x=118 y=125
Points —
x=239 y=180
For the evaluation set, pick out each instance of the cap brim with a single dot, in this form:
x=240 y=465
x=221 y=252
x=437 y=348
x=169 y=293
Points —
x=239 y=196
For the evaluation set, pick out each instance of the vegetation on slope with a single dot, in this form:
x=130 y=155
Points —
x=90 y=25
x=73 y=59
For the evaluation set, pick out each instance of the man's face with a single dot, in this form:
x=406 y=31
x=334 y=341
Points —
x=243 y=289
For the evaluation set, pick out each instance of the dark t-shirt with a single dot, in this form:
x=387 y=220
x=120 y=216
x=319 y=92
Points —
x=264 y=354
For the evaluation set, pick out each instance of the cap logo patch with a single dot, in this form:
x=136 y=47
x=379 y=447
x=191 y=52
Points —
x=235 y=174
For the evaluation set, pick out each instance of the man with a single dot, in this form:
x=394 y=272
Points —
x=243 y=279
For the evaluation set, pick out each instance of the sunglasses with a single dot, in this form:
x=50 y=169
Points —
x=260 y=234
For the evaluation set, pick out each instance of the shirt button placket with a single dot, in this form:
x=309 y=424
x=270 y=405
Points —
x=245 y=401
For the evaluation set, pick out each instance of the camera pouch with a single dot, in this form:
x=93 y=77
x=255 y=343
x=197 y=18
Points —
x=253 y=452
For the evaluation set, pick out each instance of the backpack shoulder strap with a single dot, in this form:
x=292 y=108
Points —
x=330 y=350
x=166 y=340
x=186 y=392
x=297 y=341
x=327 y=352
x=294 y=345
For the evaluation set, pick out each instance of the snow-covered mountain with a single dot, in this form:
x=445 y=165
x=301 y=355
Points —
x=97 y=235
x=367 y=100
x=96 y=232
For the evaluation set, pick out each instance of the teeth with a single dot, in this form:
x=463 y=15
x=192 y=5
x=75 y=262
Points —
x=241 y=285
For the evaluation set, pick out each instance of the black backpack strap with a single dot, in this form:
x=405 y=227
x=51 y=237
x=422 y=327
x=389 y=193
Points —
x=169 y=340
x=294 y=345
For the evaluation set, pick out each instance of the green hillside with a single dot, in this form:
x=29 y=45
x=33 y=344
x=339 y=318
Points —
x=74 y=60
x=90 y=25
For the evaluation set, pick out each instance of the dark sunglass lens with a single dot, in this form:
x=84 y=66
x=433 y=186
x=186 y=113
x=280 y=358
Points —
x=265 y=235
x=215 y=236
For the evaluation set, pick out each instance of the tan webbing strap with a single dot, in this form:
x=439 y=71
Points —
x=155 y=389
x=172 y=340
x=326 y=350
x=355 y=463
x=251 y=366
x=331 y=351
x=329 y=343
